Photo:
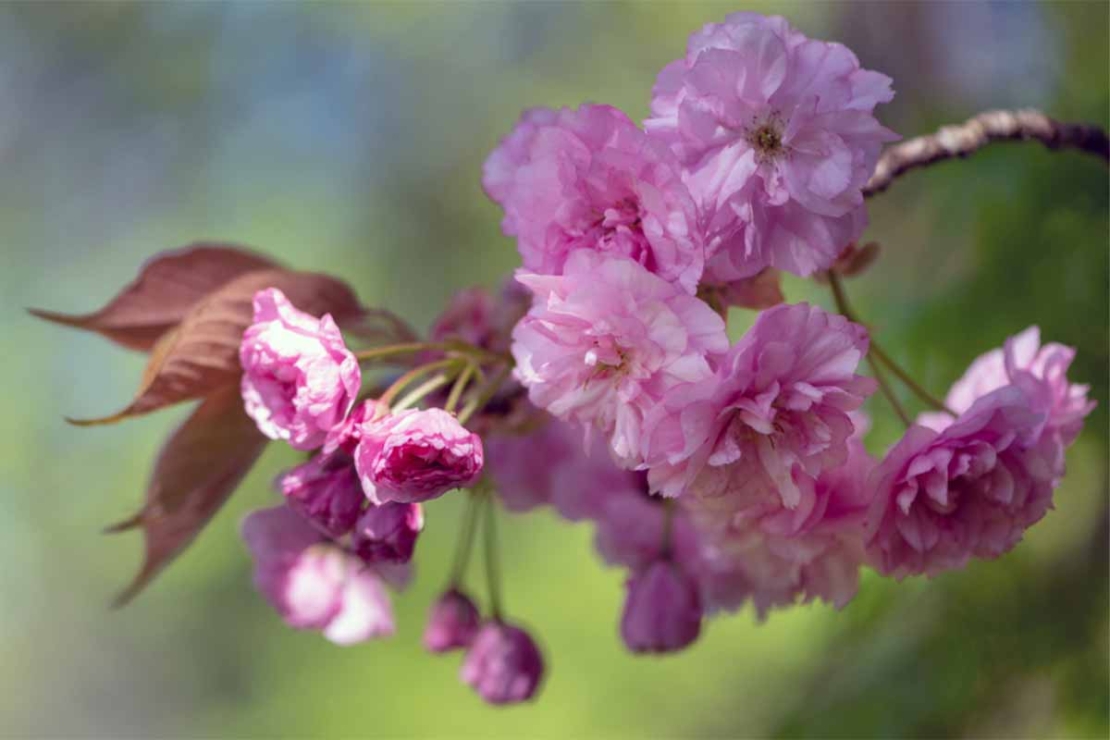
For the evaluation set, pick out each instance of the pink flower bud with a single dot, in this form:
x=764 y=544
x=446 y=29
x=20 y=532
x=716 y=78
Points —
x=416 y=455
x=452 y=622
x=503 y=664
x=387 y=533
x=299 y=378
x=662 y=613
x=325 y=491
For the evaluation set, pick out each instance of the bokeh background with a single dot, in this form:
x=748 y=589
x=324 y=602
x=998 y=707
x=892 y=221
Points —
x=349 y=138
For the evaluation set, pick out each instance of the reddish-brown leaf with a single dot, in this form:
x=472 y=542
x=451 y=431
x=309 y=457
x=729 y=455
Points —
x=167 y=287
x=197 y=470
x=201 y=355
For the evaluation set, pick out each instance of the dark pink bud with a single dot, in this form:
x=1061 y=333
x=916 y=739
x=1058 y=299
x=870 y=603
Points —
x=452 y=623
x=325 y=491
x=662 y=613
x=388 y=532
x=503 y=664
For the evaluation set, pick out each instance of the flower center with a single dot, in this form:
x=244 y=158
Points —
x=766 y=139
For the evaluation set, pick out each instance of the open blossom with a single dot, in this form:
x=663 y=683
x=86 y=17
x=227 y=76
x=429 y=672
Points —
x=782 y=401
x=326 y=491
x=970 y=490
x=503 y=664
x=591 y=179
x=388 y=532
x=773 y=556
x=416 y=455
x=452 y=622
x=777 y=134
x=299 y=378
x=312 y=583
x=607 y=340
x=662 y=612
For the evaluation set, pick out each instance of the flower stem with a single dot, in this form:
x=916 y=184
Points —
x=413 y=375
x=485 y=395
x=493 y=565
x=460 y=387
x=417 y=394
x=450 y=346
x=466 y=540
x=902 y=375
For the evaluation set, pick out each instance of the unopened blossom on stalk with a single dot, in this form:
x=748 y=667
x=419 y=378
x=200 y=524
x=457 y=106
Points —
x=590 y=179
x=662 y=613
x=453 y=622
x=608 y=340
x=954 y=489
x=416 y=455
x=781 y=402
x=326 y=491
x=313 y=583
x=777 y=134
x=503 y=664
x=299 y=378
x=388 y=532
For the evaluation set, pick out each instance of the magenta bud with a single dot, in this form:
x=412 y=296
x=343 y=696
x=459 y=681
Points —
x=452 y=622
x=503 y=664
x=387 y=533
x=662 y=613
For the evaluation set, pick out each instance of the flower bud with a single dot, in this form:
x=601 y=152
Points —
x=662 y=613
x=325 y=491
x=299 y=378
x=388 y=532
x=452 y=622
x=502 y=664
x=416 y=455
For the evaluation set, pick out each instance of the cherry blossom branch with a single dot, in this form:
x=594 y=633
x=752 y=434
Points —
x=493 y=570
x=963 y=140
x=466 y=540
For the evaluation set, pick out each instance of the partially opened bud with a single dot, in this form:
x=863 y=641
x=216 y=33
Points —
x=452 y=622
x=663 y=612
x=326 y=491
x=388 y=532
x=503 y=664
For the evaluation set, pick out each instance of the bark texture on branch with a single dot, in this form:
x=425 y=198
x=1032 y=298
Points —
x=962 y=140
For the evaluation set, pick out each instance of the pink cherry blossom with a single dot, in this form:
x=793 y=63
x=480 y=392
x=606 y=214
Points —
x=970 y=490
x=326 y=491
x=388 y=532
x=299 y=378
x=503 y=664
x=662 y=613
x=782 y=401
x=453 y=622
x=591 y=179
x=416 y=455
x=312 y=583
x=607 y=340
x=777 y=134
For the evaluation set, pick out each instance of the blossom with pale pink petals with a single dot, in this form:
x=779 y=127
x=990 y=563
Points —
x=782 y=401
x=778 y=137
x=299 y=378
x=503 y=664
x=416 y=455
x=608 y=340
x=970 y=490
x=312 y=583
x=591 y=179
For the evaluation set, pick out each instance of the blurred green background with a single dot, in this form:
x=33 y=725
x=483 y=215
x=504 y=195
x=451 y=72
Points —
x=349 y=138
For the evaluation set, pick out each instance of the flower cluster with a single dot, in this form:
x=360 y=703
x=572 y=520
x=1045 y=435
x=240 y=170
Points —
x=717 y=469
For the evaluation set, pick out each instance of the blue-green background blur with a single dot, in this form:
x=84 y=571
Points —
x=349 y=138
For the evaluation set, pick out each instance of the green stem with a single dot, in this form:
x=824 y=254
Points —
x=460 y=387
x=902 y=375
x=417 y=394
x=412 y=375
x=466 y=540
x=389 y=350
x=486 y=394
x=493 y=572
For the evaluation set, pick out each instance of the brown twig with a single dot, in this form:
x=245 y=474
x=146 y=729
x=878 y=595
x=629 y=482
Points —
x=963 y=140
